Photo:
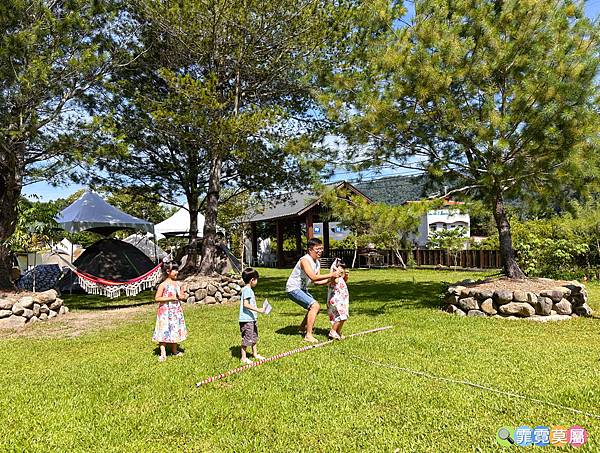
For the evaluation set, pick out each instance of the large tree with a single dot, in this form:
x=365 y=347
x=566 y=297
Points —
x=497 y=95
x=52 y=53
x=222 y=97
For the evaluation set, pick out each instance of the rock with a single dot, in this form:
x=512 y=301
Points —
x=33 y=319
x=218 y=297
x=584 y=310
x=531 y=298
x=476 y=314
x=43 y=316
x=44 y=309
x=200 y=294
x=66 y=309
x=6 y=304
x=52 y=314
x=517 y=308
x=12 y=322
x=26 y=302
x=61 y=310
x=575 y=287
x=191 y=300
x=211 y=289
x=210 y=300
x=36 y=309
x=27 y=313
x=451 y=299
x=5 y=313
x=554 y=317
x=543 y=306
x=17 y=309
x=56 y=304
x=555 y=295
x=468 y=303
x=484 y=294
x=503 y=297
x=487 y=306
x=459 y=312
x=456 y=290
x=579 y=298
x=234 y=286
x=563 y=307
x=46 y=296
x=562 y=289
x=520 y=296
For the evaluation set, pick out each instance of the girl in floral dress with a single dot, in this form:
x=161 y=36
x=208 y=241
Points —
x=170 y=325
x=338 y=300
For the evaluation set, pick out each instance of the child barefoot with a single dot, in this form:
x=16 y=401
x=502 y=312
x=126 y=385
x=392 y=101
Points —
x=338 y=299
x=170 y=325
x=248 y=317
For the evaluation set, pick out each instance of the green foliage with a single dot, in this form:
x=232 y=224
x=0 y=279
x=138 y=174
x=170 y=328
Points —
x=500 y=98
x=450 y=240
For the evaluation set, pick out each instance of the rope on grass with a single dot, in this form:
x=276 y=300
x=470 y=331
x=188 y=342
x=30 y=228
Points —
x=471 y=384
x=282 y=355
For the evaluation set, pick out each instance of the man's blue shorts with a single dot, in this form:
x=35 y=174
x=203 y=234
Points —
x=302 y=298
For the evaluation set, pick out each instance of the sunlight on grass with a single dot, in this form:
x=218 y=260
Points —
x=105 y=389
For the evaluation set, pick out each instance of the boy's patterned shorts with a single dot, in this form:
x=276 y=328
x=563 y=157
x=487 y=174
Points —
x=249 y=331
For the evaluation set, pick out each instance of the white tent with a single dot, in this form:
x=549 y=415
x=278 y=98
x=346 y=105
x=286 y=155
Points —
x=178 y=224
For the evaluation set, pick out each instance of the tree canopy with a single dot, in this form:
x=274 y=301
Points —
x=498 y=96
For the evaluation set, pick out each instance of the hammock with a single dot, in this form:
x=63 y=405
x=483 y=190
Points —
x=109 y=288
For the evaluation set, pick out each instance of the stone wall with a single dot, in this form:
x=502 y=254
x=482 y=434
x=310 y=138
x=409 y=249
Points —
x=19 y=309
x=559 y=302
x=219 y=289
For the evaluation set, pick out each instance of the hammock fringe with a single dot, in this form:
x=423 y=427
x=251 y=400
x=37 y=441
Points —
x=102 y=287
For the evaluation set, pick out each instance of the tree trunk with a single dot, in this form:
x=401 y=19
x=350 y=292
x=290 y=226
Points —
x=192 y=260
x=10 y=191
x=399 y=256
x=509 y=264
x=209 y=248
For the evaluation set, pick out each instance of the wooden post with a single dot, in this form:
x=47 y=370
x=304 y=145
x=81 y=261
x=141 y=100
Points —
x=254 y=242
x=298 y=232
x=326 y=239
x=279 y=243
x=309 y=225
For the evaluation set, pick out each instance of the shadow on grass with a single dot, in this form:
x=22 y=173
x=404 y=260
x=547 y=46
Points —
x=293 y=330
x=403 y=294
x=157 y=350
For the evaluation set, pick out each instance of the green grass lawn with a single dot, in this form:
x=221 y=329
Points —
x=104 y=390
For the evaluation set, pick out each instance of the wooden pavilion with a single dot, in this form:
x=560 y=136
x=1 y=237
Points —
x=298 y=210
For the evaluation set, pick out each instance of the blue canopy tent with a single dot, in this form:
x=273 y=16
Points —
x=91 y=213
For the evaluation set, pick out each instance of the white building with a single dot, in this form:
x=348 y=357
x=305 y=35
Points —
x=445 y=218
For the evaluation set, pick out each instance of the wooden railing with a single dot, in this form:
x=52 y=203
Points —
x=478 y=259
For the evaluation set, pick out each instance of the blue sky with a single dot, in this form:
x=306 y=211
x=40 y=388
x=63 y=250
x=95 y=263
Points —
x=46 y=192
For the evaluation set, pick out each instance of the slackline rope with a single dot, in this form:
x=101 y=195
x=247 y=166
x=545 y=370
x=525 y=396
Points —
x=283 y=354
x=468 y=383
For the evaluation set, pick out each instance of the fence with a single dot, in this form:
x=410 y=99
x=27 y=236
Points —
x=480 y=259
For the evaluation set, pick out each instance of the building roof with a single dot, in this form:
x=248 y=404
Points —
x=296 y=203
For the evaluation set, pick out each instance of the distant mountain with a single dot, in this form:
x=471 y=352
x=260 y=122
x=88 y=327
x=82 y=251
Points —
x=396 y=190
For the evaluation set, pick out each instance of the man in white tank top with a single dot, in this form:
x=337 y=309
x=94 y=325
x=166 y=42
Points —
x=304 y=273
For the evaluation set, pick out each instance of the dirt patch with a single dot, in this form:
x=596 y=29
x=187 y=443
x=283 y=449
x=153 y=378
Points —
x=74 y=324
x=503 y=283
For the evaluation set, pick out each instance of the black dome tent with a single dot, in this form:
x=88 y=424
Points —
x=108 y=266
